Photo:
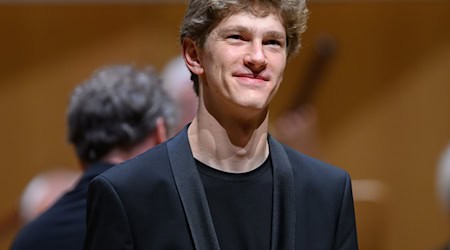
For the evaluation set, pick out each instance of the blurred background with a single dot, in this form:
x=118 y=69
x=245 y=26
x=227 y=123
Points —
x=375 y=72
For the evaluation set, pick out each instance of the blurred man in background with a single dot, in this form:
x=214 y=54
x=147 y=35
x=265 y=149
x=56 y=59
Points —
x=443 y=186
x=114 y=116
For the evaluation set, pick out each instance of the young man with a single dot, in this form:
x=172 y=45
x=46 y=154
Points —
x=223 y=182
x=117 y=114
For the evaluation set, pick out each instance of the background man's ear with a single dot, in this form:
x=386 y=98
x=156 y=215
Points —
x=191 y=56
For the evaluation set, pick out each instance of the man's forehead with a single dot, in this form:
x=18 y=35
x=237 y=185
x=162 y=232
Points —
x=247 y=22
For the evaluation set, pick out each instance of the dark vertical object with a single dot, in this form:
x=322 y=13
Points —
x=324 y=50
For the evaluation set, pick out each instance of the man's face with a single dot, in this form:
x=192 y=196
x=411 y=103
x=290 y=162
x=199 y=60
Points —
x=243 y=60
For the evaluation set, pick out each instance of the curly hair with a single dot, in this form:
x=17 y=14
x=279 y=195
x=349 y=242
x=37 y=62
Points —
x=116 y=109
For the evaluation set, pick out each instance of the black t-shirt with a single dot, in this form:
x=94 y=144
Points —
x=240 y=205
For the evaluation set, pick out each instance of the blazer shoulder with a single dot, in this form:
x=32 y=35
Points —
x=314 y=168
x=150 y=166
x=329 y=186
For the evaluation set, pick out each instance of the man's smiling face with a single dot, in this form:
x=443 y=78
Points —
x=243 y=61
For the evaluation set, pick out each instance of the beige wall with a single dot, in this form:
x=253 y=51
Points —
x=383 y=103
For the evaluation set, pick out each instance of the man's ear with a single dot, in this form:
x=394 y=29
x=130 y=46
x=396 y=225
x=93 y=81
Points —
x=191 y=56
x=160 y=131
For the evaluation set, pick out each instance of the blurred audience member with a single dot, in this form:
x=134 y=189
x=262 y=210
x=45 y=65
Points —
x=117 y=114
x=177 y=83
x=443 y=186
x=43 y=190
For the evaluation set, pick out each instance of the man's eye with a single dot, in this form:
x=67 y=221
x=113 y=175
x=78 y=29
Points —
x=273 y=42
x=238 y=37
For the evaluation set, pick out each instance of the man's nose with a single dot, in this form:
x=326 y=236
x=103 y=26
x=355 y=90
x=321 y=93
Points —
x=256 y=59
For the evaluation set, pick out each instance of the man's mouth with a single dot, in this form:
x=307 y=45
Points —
x=252 y=76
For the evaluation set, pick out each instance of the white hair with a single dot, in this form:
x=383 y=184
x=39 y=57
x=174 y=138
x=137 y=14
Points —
x=443 y=178
x=177 y=83
x=176 y=77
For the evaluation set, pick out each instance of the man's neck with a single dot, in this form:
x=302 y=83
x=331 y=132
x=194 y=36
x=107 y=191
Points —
x=231 y=145
x=118 y=155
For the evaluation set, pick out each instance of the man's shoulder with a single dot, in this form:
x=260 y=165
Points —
x=325 y=181
x=31 y=234
x=42 y=230
x=313 y=168
x=151 y=165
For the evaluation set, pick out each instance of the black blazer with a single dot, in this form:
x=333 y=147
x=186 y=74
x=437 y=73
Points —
x=62 y=226
x=157 y=201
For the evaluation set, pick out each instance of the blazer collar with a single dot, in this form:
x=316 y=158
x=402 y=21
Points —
x=195 y=204
x=284 y=212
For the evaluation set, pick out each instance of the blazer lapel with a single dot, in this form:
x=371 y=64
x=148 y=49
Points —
x=192 y=193
x=283 y=212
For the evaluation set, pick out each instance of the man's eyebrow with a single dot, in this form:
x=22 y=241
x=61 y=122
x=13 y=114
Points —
x=242 y=29
x=275 y=34
x=234 y=28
